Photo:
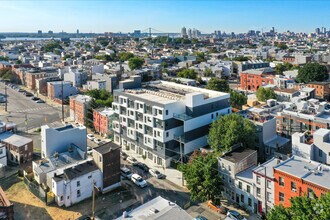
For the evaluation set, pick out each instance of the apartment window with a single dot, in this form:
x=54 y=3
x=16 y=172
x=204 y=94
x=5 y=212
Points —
x=167 y=134
x=158 y=133
x=281 y=180
x=61 y=198
x=268 y=195
x=212 y=116
x=310 y=193
x=140 y=126
x=281 y=197
x=268 y=184
x=293 y=187
x=149 y=156
x=320 y=153
x=258 y=179
x=26 y=147
x=78 y=193
x=258 y=192
x=89 y=176
x=160 y=112
x=78 y=183
x=249 y=201
x=240 y=185
x=100 y=159
x=166 y=112
x=229 y=168
x=248 y=189
x=242 y=198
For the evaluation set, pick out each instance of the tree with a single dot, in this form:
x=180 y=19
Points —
x=187 y=73
x=164 y=65
x=312 y=72
x=282 y=46
x=203 y=179
x=19 y=62
x=263 y=94
x=124 y=56
x=237 y=99
x=303 y=208
x=102 y=98
x=208 y=72
x=135 y=63
x=229 y=130
x=51 y=46
x=218 y=85
x=200 y=57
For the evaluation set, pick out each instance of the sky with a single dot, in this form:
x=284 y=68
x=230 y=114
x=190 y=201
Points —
x=100 y=16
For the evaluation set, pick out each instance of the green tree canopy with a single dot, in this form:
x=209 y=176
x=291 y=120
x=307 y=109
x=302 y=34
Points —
x=187 y=73
x=263 y=94
x=237 y=99
x=135 y=63
x=208 y=73
x=303 y=208
x=229 y=130
x=124 y=56
x=282 y=46
x=312 y=72
x=51 y=46
x=218 y=85
x=101 y=97
x=203 y=179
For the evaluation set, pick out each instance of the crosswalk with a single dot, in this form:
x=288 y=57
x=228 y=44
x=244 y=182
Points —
x=39 y=109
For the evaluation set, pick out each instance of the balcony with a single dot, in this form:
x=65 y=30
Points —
x=179 y=138
x=182 y=117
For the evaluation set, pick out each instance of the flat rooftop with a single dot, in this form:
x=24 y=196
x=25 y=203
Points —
x=266 y=169
x=158 y=208
x=168 y=92
x=14 y=139
x=307 y=170
x=238 y=154
x=107 y=147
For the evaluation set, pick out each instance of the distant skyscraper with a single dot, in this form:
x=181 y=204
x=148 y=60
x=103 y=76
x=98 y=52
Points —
x=184 y=32
x=317 y=31
x=50 y=32
x=189 y=33
x=77 y=31
x=39 y=32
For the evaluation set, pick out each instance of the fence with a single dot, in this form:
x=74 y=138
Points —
x=39 y=192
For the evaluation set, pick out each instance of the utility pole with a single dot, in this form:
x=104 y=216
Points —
x=62 y=103
x=6 y=98
x=93 y=203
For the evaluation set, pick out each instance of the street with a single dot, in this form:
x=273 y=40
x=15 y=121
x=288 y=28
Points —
x=25 y=112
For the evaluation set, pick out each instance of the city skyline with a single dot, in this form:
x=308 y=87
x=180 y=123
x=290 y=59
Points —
x=126 y=16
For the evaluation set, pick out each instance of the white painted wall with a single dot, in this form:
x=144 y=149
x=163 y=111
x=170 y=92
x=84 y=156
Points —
x=53 y=140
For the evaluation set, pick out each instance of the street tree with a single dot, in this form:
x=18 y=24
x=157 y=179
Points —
x=201 y=174
x=237 y=99
x=312 y=72
x=135 y=63
x=216 y=84
x=229 y=130
x=187 y=73
x=263 y=94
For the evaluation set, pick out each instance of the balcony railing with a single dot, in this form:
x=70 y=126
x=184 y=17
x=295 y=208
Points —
x=182 y=117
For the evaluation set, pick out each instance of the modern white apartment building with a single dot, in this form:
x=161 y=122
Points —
x=160 y=119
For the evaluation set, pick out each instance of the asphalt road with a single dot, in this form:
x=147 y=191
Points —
x=25 y=112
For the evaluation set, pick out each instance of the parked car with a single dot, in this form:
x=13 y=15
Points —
x=123 y=155
x=137 y=179
x=234 y=215
x=90 y=136
x=97 y=140
x=28 y=94
x=125 y=172
x=89 y=150
x=199 y=217
x=217 y=208
x=143 y=167
x=35 y=98
x=21 y=90
x=156 y=174
x=40 y=101
x=132 y=160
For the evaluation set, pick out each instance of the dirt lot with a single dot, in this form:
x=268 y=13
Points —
x=28 y=206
